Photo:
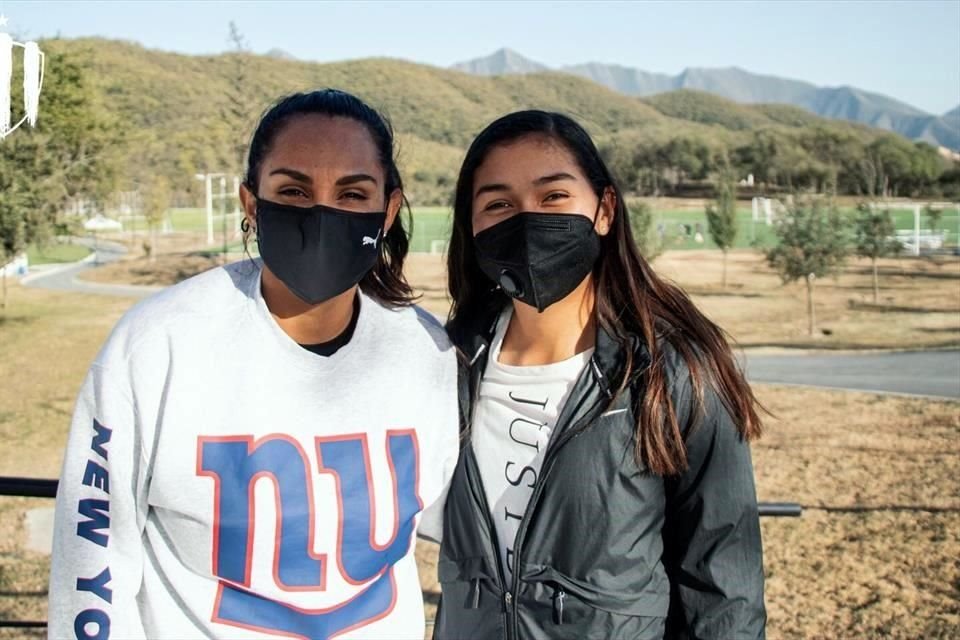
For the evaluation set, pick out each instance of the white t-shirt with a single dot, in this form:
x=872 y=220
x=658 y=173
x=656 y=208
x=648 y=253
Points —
x=513 y=420
x=221 y=481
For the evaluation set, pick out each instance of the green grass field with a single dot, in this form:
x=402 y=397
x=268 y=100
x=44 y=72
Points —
x=55 y=253
x=430 y=224
x=758 y=234
x=433 y=224
x=677 y=227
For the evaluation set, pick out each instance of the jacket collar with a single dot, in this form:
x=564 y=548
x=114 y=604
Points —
x=473 y=339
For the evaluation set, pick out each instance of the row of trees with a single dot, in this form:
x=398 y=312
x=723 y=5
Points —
x=817 y=160
x=814 y=238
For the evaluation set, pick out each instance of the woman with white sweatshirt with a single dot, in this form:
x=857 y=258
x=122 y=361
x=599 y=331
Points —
x=253 y=448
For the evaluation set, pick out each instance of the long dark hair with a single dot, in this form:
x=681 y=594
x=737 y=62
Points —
x=386 y=280
x=631 y=299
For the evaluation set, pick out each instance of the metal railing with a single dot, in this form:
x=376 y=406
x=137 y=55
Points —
x=43 y=488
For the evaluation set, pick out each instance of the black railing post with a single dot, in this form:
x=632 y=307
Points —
x=28 y=487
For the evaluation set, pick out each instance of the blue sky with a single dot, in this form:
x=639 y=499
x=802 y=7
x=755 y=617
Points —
x=908 y=50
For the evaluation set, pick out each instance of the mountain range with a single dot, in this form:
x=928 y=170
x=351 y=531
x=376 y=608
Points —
x=740 y=85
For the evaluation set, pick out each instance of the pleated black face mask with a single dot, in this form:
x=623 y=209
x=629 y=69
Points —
x=318 y=252
x=538 y=258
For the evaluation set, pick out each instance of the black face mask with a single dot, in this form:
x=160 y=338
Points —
x=538 y=258
x=318 y=252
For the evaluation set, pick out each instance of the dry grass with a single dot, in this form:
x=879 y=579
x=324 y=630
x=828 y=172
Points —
x=47 y=341
x=165 y=270
x=920 y=302
x=882 y=559
x=919 y=306
x=831 y=574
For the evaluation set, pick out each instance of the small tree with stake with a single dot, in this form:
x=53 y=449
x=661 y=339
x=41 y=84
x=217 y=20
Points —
x=722 y=218
x=812 y=243
x=874 y=235
x=156 y=200
x=934 y=215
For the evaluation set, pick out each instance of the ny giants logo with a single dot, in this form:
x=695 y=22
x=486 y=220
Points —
x=235 y=463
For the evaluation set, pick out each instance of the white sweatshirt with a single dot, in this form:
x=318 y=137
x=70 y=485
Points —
x=222 y=481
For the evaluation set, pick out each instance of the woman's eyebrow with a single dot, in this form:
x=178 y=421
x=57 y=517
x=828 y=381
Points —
x=553 y=178
x=354 y=178
x=488 y=188
x=293 y=173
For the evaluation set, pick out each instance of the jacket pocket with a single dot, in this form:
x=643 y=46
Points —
x=648 y=603
x=471 y=571
x=555 y=606
x=471 y=605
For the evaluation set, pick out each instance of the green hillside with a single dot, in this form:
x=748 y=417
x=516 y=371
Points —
x=183 y=114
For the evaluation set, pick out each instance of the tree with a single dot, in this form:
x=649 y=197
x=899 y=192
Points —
x=155 y=202
x=686 y=157
x=934 y=215
x=72 y=152
x=649 y=165
x=722 y=218
x=888 y=163
x=759 y=155
x=649 y=243
x=620 y=161
x=874 y=235
x=812 y=243
x=13 y=235
x=238 y=110
x=833 y=150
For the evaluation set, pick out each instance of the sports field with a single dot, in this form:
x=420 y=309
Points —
x=679 y=226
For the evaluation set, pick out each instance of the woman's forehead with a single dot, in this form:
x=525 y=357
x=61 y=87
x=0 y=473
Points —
x=526 y=159
x=319 y=142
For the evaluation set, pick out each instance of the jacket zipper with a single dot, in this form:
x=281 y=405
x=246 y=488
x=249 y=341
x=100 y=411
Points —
x=566 y=435
x=508 y=610
x=505 y=610
x=507 y=604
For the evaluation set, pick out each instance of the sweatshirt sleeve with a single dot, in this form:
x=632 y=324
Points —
x=713 y=552
x=96 y=566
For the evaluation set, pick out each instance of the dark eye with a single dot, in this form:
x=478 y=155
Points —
x=556 y=195
x=497 y=204
x=354 y=195
x=293 y=192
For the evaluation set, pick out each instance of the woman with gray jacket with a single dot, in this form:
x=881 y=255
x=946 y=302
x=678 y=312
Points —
x=605 y=486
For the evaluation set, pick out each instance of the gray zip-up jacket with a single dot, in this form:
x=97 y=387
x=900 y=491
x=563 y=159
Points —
x=607 y=549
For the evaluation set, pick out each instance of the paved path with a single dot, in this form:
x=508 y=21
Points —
x=64 y=277
x=922 y=373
